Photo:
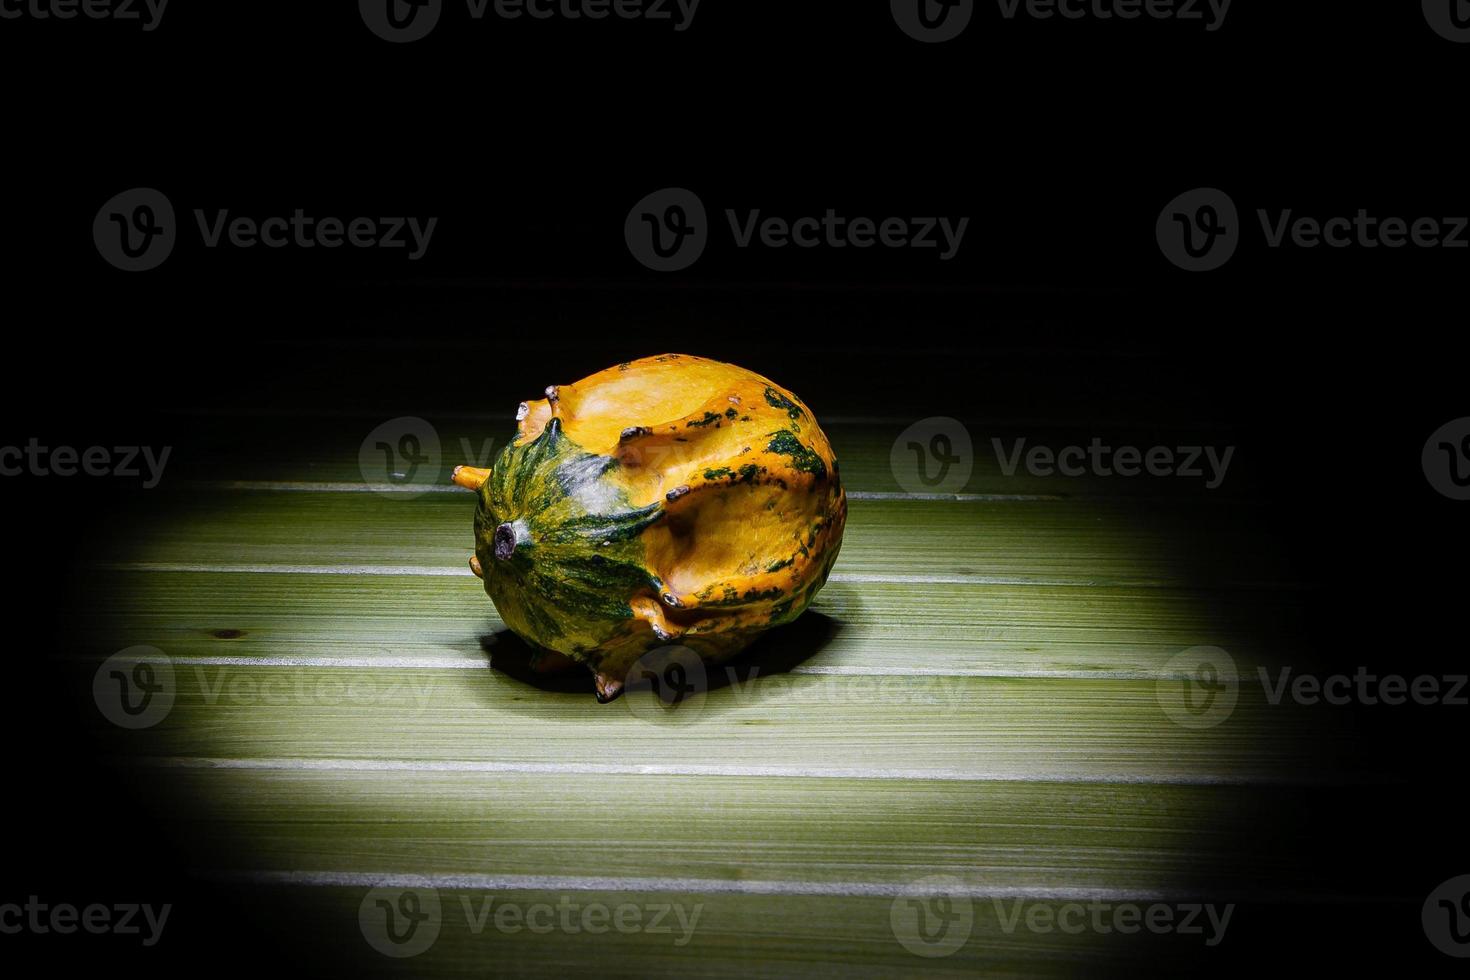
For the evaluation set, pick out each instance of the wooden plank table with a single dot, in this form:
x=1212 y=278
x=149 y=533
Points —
x=975 y=728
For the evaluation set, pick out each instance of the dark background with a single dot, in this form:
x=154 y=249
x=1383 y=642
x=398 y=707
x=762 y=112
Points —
x=530 y=141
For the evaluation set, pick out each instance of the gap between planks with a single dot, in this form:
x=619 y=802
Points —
x=947 y=887
x=827 y=421
x=741 y=771
x=306 y=486
x=853 y=578
x=484 y=663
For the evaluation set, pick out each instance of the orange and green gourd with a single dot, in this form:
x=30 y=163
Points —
x=672 y=500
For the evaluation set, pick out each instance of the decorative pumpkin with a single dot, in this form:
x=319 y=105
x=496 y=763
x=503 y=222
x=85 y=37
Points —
x=669 y=500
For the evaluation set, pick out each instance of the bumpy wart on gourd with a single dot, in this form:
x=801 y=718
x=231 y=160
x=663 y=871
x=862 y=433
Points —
x=669 y=500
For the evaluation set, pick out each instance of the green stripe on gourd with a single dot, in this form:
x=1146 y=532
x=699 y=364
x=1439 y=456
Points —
x=559 y=544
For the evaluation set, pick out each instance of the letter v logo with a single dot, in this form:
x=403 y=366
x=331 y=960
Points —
x=932 y=21
x=1198 y=230
x=1450 y=19
x=400 y=21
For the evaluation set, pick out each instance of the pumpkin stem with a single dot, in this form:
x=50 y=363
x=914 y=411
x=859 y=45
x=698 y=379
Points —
x=470 y=477
x=505 y=542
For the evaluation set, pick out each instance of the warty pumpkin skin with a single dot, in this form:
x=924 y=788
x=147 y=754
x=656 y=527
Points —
x=668 y=500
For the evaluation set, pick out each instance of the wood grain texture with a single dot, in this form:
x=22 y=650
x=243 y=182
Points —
x=876 y=456
x=1051 y=542
x=934 y=726
x=979 y=694
x=867 y=626
x=1044 y=837
x=733 y=936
